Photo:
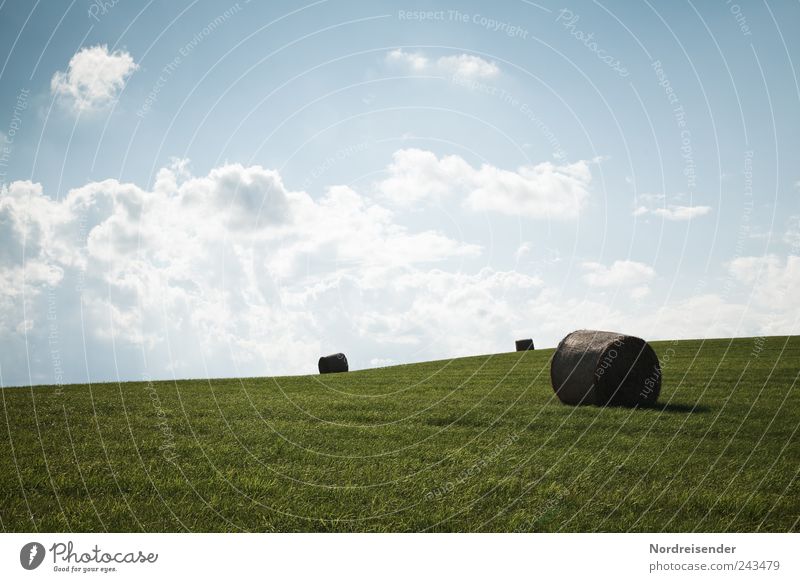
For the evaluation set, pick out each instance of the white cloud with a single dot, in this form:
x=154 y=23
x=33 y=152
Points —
x=700 y=316
x=674 y=212
x=774 y=281
x=657 y=205
x=415 y=61
x=31 y=256
x=447 y=314
x=381 y=362
x=792 y=235
x=415 y=175
x=461 y=66
x=523 y=250
x=545 y=190
x=233 y=265
x=466 y=66
x=650 y=198
x=768 y=305
x=628 y=274
x=93 y=77
x=233 y=273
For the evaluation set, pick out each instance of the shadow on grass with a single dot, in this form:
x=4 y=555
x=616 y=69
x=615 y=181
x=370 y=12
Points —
x=671 y=407
x=678 y=407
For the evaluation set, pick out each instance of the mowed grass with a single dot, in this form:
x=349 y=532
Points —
x=472 y=444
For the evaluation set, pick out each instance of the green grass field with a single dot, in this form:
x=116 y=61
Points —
x=472 y=444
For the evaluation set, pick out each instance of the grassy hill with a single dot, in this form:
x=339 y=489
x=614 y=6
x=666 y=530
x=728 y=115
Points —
x=472 y=444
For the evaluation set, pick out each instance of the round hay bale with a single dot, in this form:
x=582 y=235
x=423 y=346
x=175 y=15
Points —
x=524 y=345
x=333 y=364
x=605 y=368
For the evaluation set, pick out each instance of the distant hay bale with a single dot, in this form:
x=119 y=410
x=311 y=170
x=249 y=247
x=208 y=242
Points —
x=524 y=345
x=333 y=364
x=605 y=368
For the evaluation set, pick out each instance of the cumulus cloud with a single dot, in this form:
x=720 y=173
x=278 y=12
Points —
x=415 y=175
x=675 y=212
x=468 y=67
x=94 y=77
x=381 y=362
x=236 y=265
x=461 y=66
x=545 y=190
x=656 y=204
x=762 y=301
x=773 y=281
x=446 y=314
x=31 y=255
x=232 y=272
x=792 y=235
x=523 y=250
x=628 y=274
x=619 y=273
x=705 y=315
x=415 y=61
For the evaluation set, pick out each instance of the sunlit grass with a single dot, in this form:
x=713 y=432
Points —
x=470 y=444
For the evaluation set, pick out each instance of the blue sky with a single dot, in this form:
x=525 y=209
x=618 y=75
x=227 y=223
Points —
x=197 y=189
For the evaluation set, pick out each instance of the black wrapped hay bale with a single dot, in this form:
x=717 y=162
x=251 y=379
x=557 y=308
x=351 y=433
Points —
x=524 y=345
x=603 y=367
x=333 y=363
